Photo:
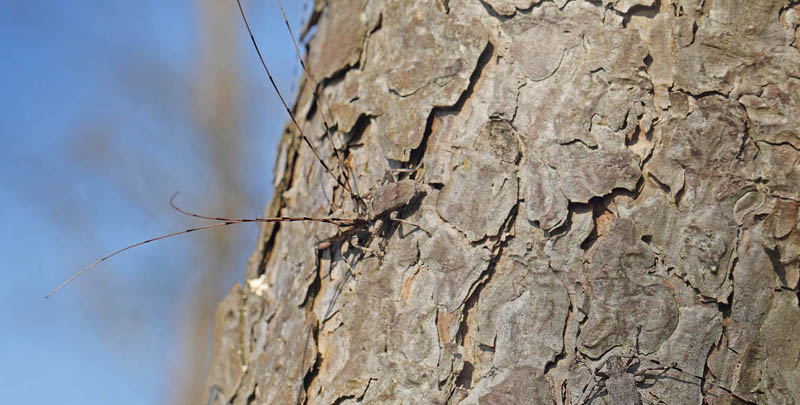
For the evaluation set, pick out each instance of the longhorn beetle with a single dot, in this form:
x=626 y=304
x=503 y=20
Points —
x=384 y=202
x=618 y=377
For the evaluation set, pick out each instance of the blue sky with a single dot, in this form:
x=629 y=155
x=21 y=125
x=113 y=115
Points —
x=99 y=127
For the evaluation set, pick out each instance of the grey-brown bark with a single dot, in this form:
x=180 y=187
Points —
x=595 y=173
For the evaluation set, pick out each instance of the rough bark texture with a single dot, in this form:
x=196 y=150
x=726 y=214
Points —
x=596 y=172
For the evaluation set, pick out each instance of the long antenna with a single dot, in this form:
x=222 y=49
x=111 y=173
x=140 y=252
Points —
x=225 y=222
x=315 y=86
x=346 y=186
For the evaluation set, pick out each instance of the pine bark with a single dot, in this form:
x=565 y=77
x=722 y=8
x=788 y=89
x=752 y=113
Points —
x=597 y=175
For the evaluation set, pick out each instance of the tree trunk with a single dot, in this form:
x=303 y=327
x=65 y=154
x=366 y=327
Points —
x=615 y=179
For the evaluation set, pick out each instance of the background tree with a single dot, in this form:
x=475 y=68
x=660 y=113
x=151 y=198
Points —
x=596 y=174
